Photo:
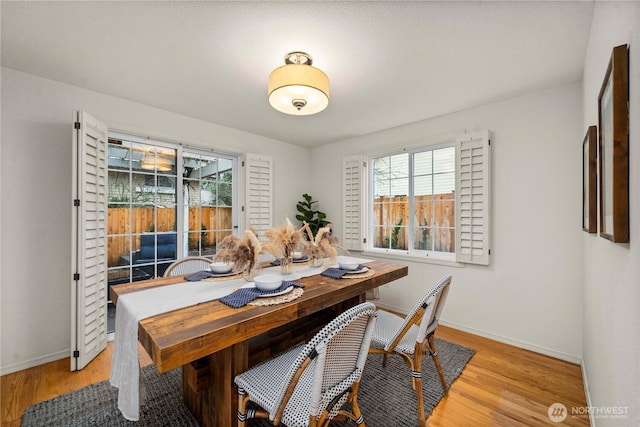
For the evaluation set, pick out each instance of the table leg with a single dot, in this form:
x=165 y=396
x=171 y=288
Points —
x=216 y=404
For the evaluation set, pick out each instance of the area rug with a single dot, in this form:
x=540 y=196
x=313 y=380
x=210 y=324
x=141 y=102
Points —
x=386 y=397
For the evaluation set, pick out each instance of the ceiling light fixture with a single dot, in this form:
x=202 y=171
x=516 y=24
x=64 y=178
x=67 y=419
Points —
x=163 y=165
x=147 y=164
x=298 y=88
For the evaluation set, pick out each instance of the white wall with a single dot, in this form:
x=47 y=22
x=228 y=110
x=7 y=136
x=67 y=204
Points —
x=36 y=199
x=531 y=294
x=611 y=346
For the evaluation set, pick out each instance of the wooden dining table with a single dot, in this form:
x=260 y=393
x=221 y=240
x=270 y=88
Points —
x=212 y=342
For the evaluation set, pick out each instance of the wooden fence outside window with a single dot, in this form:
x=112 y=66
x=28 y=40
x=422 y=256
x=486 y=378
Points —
x=434 y=220
x=207 y=226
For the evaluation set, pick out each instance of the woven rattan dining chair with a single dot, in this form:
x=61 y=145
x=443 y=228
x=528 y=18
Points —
x=187 y=265
x=411 y=336
x=309 y=384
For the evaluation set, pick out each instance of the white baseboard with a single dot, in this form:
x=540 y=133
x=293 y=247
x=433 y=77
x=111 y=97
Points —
x=9 y=369
x=521 y=344
x=4 y=370
x=528 y=346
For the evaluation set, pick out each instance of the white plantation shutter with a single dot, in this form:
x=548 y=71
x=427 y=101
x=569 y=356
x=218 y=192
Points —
x=259 y=193
x=89 y=237
x=353 y=193
x=473 y=189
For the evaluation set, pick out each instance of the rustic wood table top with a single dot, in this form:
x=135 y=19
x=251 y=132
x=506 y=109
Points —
x=181 y=336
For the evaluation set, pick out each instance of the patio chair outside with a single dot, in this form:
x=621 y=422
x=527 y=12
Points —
x=309 y=384
x=409 y=337
x=187 y=266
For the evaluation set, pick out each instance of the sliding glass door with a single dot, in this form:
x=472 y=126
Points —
x=165 y=202
x=142 y=209
x=209 y=191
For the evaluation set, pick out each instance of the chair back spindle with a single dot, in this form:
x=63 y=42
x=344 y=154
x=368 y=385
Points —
x=187 y=265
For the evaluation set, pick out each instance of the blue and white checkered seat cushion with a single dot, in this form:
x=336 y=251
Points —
x=341 y=350
x=387 y=326
x=264 y=381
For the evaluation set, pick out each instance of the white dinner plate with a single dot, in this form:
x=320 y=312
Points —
x=362 y=270
x=286 y=291
x=231 y=273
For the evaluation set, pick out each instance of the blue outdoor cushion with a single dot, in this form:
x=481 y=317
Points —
x=166 y=246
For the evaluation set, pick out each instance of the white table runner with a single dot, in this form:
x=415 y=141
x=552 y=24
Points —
x=133 y=307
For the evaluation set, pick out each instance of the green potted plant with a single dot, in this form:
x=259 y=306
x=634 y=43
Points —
x=308 y=214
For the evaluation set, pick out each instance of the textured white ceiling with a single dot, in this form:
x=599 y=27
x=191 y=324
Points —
x=389 y=63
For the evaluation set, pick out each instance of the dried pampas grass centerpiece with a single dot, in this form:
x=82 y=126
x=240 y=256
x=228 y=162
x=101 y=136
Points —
x=283 y=240
x=323 y=245
x=243 y=252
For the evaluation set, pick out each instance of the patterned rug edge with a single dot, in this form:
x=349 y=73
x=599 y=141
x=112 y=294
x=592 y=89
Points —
x=96 y=404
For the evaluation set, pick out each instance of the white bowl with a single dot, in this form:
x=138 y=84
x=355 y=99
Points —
x=221 y=267
x=296 y=255
x=347 y=263
x=268 y=282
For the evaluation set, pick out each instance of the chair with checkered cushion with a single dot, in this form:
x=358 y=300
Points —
x=411 y=336
x=309 y=384
x=187 y=266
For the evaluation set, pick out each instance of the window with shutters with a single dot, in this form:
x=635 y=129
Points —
x=430 y=201
x=413 y=202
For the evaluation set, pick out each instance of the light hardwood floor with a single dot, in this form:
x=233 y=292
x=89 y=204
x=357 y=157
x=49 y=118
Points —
x=501 y=386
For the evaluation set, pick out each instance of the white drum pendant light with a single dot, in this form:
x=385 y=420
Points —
x=298 y=88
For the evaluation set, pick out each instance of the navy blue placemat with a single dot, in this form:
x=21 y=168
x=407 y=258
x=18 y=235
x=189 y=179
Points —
x=205 y=274
x=337 y=273
x=244 y=296
x=195 y=277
